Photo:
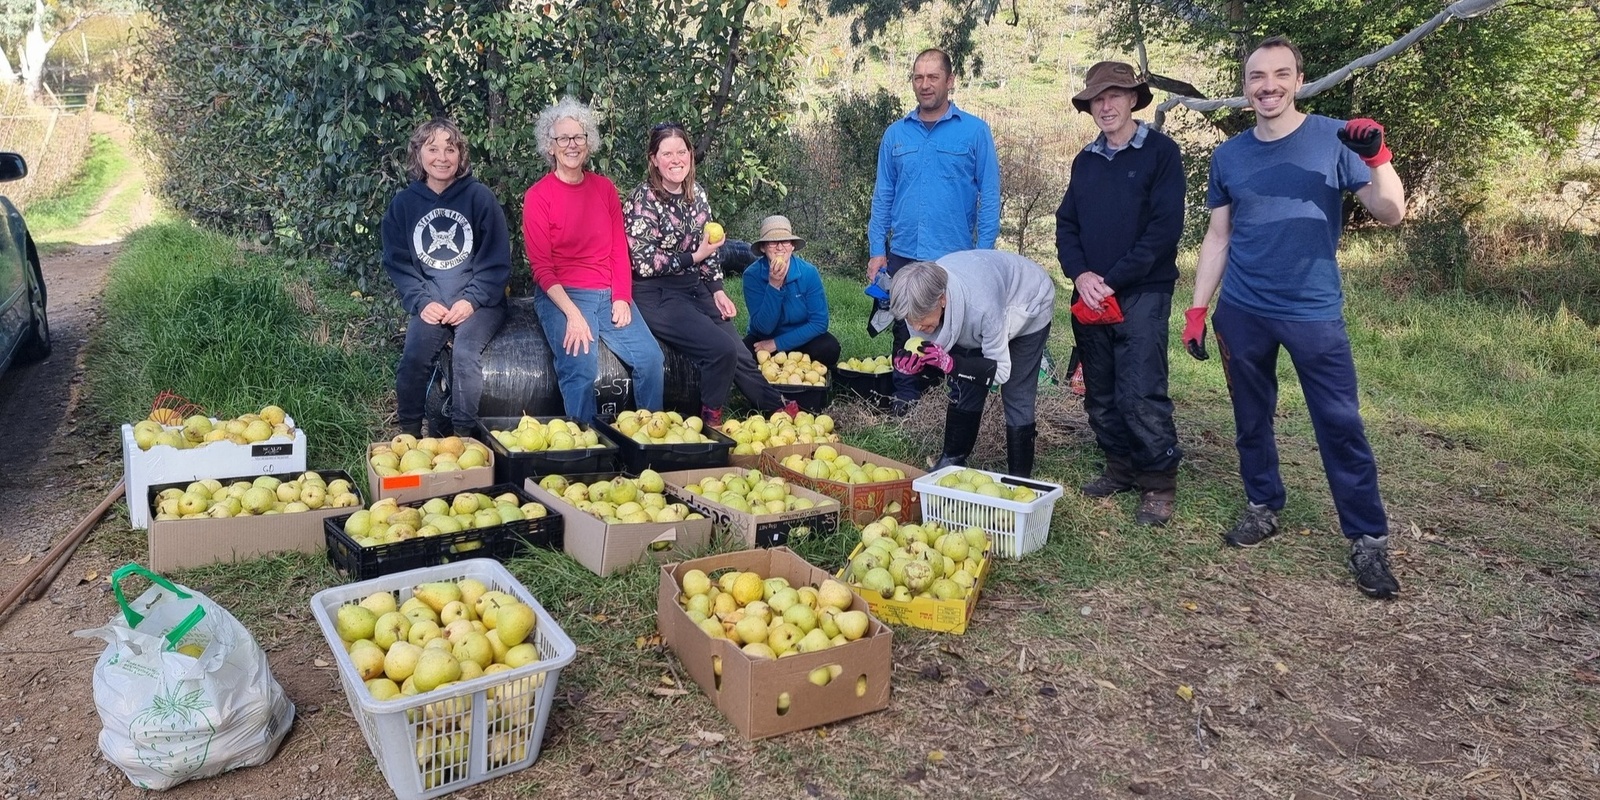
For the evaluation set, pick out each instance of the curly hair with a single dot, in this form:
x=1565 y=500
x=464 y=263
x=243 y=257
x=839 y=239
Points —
x=424 y=132
x=915 y=289
x=566 y=108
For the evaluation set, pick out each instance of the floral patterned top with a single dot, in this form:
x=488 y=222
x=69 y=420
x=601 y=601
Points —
x=663 y=235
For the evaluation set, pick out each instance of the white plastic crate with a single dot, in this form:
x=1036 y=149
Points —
x=1016 y=528
x=487 y=726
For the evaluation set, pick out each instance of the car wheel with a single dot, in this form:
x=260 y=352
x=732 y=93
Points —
x=36 y=343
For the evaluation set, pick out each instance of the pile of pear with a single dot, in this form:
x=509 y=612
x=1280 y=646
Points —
x=621 y=500
x=767 y=618
x=756 y=433
x=533 y=436
x=661 y=427
x=448 y=632
x=388 y=521
x=904 y=562
x=164 y=426
x=407 y=455
x=262 y=496
x=827 y=463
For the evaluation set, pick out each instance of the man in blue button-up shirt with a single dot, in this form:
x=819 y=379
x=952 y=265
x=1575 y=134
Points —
x=938 y=187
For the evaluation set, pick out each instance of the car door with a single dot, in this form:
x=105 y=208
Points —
x=14 y=319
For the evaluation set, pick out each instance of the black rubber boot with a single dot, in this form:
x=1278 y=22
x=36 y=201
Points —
x=1019 y=450
x=960 y=435
x=413 y=428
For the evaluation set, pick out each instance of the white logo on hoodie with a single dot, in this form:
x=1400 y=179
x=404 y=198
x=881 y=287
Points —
x=442 y=238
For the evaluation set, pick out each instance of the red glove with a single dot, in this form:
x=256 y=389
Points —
x=1194 y=332
x=1365 y=137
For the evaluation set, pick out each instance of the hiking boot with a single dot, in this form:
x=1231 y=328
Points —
x=1155 y=507
x=412 y=428
x=1106 y=485
x=712 y=417
x=1369 y=562
x=1256 y=525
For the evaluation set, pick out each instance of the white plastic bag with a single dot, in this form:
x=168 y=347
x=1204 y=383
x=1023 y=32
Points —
x=168 y=717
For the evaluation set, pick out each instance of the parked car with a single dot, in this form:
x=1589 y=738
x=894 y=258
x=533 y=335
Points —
x=24 y=327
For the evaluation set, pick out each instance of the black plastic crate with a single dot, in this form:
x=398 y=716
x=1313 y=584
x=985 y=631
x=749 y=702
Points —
x=874 y=387
x=514 y=468
x=636 y=457
x=810 y=398
x=499 y=542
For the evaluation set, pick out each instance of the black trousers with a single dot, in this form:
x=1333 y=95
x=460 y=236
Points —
x=1125 y=384
x=682 y=314
x=824 y=348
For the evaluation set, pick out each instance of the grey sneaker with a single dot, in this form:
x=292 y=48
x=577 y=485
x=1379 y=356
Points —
x=1256 y=525
x=1369 y=562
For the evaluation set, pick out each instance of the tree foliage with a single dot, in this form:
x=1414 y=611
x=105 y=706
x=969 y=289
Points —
x=870 y=18
x=289 y=120
x=1455 y=103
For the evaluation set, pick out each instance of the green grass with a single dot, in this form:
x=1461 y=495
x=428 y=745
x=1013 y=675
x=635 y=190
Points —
x=104 y=166
x=233 y=331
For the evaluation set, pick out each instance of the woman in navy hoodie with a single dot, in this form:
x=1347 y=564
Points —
x=446 y=249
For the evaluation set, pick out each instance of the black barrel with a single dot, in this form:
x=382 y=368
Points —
x=519 y=376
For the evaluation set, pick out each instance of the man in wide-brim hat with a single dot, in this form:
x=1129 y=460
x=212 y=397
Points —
x=1117 y=234
x=783 y=292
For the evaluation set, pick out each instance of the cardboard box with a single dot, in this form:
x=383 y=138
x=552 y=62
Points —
x=604 y=548
x=184 y=543
x=863 y=502
x=406 y=488
x=164 y=464
x=948 y=616
x=759 y=530
x=747 y=691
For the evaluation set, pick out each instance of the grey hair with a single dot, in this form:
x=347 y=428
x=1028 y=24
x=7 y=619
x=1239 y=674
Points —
x=915 y=289
x=566 y=108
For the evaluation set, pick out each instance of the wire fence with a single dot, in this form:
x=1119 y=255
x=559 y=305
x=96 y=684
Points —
x=53 y=137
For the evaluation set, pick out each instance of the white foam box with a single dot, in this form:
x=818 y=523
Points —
x=142 y=469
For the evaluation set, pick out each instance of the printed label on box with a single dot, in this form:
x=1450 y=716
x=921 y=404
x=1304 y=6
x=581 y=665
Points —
x=273 y=450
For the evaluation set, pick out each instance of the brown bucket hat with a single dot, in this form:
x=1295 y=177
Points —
x=1111 y=75
x=776 y=228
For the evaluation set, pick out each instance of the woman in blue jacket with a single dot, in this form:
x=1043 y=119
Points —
x=788 y=309
x=446 y=248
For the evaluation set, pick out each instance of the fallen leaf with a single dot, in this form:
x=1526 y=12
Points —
x=711 y=737
x=666 y=680
x=1190 y=607
x=1185 y=693
x=1105 y=684
x=931 y=672
x=599 y=618
x=19 y=562
x=317 y=662
x=642 y=642
x=90 y=575
x=915 y=775
x=936 y=756
x=979 y=688
x=585 y=769
x=661 y=692
x=668 y=750
x=1047 y=690
x=1281 y=667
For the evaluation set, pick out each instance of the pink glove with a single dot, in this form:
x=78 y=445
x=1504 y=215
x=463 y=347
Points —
x=929 y=354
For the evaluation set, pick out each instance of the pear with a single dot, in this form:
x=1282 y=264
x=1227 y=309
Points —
x=437 y=593
x=514 y=622
x=401 y=661
x=471 y=590
x=475 y=647
x=434 y=668
x=522 y=655
x=852 y=624
x=383 y=689
x=834 y=594
x=367 y=658
x=390 y=628
x=422 y=630
x=354 y=623
x=813 y=641
x=454 y=610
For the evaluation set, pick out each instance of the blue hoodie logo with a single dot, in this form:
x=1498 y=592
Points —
x=442 y=238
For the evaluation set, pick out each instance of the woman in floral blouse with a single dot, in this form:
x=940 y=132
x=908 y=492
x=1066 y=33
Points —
x=677 y=278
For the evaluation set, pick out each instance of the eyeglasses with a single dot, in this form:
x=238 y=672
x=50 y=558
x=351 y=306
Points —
x=568 y=141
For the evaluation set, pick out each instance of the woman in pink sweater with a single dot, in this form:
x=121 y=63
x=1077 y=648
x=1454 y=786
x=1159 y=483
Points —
x=572 y=228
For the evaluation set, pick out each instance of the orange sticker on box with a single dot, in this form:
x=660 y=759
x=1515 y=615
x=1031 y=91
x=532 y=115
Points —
x=402 y=482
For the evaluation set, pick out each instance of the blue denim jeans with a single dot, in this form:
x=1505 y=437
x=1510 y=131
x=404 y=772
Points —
x=1320 y=351
x=632 y=344
x=423 y=343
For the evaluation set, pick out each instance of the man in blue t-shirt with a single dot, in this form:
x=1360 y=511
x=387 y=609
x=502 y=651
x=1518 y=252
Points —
x=1275 y=195
x=937 y=191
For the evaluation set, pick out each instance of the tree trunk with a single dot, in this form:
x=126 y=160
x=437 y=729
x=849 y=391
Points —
x=34 y=49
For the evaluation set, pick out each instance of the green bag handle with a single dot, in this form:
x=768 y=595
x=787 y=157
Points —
x=134 y=618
